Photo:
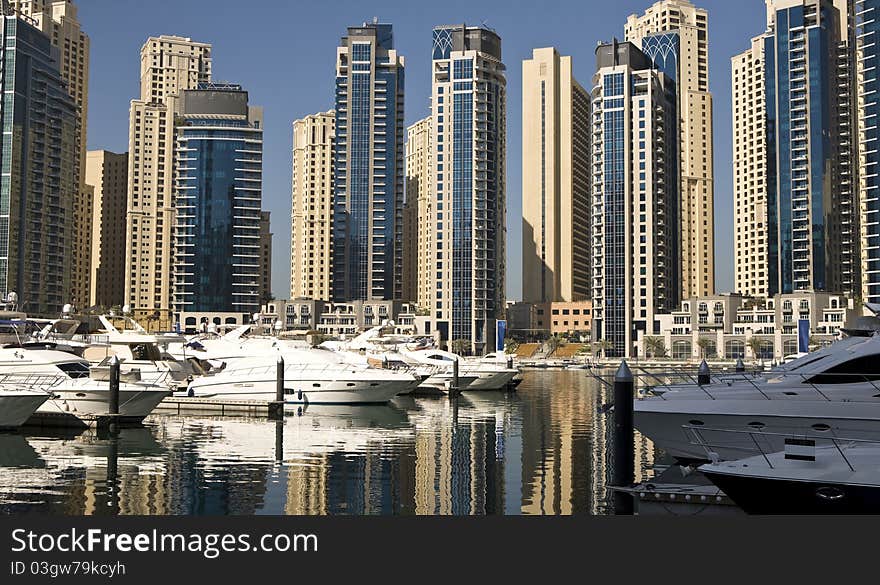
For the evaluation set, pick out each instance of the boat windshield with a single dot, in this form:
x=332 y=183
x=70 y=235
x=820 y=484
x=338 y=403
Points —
x=145 y=351
x=75 y=369
x=860 y=369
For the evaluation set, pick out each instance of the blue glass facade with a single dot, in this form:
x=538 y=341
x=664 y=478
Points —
x=368 y=167
x=616 y=214
x=663 y=50
x=868 y=32
x=39 y=171
x=218 y=200
x=808 y=140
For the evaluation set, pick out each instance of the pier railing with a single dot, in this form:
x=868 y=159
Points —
x=796 y=446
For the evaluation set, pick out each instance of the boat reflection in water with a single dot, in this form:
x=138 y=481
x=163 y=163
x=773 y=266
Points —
x=540 y=450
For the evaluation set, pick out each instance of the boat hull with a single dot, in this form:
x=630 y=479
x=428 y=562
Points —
x=329 y=391
x=497 y=380
x=134 y=404
x=767 y=495
x=17 y=407
x=678 y=426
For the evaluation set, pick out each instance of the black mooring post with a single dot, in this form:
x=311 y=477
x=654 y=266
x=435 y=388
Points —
x=740 y=366
x=704 y=376
x=113 y=397
x=279 y=379
x=623 y=468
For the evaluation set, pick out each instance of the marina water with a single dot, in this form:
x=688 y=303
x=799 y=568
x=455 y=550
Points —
x=540 y=450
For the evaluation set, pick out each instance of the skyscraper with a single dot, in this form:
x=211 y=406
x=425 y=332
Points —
x=57 y=19
x=169 y=65
x=674 y=35
x=107 y=173
x=265 y=256
x=368 y=177
x=753 y=179
x=419 y=168
x=809 y=158
x=469 y=115
x=219 y=166
x=635 y=197
x=311 y=243
x=556 y=181
x=39 y=170
x=867 y=54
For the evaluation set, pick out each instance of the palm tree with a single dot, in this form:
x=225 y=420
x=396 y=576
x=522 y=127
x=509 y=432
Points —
x=704 y=343
x=461 y=346
x=654 y=346
x=553 y=342
x=601 y=346
x=755 y=345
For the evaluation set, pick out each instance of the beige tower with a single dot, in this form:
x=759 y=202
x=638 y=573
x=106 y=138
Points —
x=107 y=173
x=750 y=236
x=418 y=199
x=675 y=35
x=58 y=20
x=169 y=65
x=555 y=181
x=311 y=248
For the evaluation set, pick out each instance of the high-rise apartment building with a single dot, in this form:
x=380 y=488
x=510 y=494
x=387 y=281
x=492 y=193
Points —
x=410 y=248
x=468 y=126
x=635 y=224
x=107 y=173
x=419 y=168
x=795 y=138
x=754 y=262
x=218 y=196
x=867 y=56
x=169 y=65
x=674 y=35
x=368 y=171
x=555 y=180
x=57 y=19
x=39 y=170
x=265 y=256
x=311 y=241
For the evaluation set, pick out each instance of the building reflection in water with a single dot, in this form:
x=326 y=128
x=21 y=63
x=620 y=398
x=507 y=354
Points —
x=540 y=450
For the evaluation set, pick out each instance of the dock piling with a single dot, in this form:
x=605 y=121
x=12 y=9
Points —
x=454 y=388
x=113 y=397
x=704 y=376
x=279 y=379
x=623 y=468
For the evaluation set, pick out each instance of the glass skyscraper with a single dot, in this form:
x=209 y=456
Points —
x=368 y=166
x=635 y=197
x=469 y=113
x=39 y=170
x=867 y=17
x=218 y=163
x=812 y=216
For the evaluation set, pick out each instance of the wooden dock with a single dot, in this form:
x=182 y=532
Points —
x=220 y=407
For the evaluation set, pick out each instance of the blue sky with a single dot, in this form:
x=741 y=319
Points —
x=284 y=55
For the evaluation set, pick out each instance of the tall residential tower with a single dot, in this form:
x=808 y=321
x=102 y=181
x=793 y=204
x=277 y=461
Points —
x=311 y=243
x=468 y=125
x=419 y=170
x=169 y=65
x=635 y=227
x=674 y=35
x=368 y=169
x=555 y=181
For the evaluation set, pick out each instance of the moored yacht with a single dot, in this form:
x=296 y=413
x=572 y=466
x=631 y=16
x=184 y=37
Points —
x=832 y=392
x=18 y=403
x=310 y=376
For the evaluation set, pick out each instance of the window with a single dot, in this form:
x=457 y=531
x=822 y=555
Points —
x=855 y=370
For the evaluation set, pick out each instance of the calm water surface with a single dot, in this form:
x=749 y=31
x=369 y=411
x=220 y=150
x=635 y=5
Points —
x=539 y=450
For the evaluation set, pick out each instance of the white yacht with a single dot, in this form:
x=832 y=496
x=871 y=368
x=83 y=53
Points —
x=18 y=403
x=832 y=392
x=810 y=476
x=133 y=345
x=66 y=381
x=310 y=376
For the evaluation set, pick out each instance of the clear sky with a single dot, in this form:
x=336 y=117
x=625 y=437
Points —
x=284 y=52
